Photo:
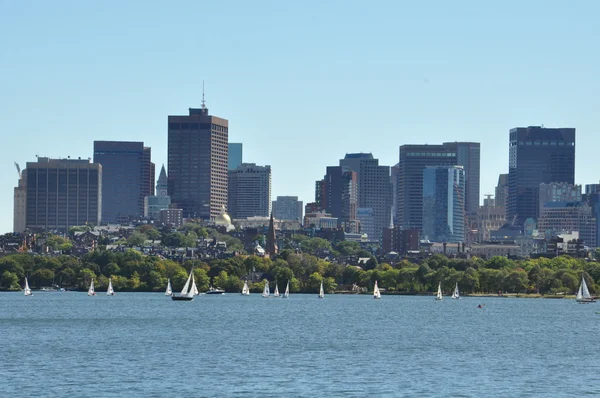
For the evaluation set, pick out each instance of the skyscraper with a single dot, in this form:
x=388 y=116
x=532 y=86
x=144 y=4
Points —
x=197 y=163
x=443 y=204
x=502 y=193
x=412 y=162
x=287 y=208
x=126 y=173
x=537 y=155
x=62 y=193
x=20 y=202
x=249 y=191
x=235 y=155
x=374 y=188
x=339 y=191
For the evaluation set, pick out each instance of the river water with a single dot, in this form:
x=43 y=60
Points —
x=146 y=345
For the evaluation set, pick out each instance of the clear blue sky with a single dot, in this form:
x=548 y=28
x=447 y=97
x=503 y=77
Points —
x=302 y=83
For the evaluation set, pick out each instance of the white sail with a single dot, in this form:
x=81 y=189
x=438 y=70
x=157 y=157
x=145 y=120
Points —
x=276 y=292
x=27 y=290
x=194 y=289
x=169 y=291
x=376 y=292
x=245 y=289
x=439 y=292
x=266 y=291
x=456 y=294
x=287 y=290
x=584 y=289
x=91 y=290
x=184 y=291
x=580 y=291
x=110 y=291
x=321 y=291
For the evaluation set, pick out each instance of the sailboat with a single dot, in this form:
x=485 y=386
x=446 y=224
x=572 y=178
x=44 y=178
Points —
x=287 y=291
x=439 y=292
x=91 y=290
x=245 y=289
x=376 y=292
x=27 y=290
x=169 y=291
x=266 y=292
x=321 y=291
x=456 y=293
x=583 y=294
x=276 y=292
x=110 y=291
x=187 y=293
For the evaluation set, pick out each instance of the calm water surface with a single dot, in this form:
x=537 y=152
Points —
x=138 y=344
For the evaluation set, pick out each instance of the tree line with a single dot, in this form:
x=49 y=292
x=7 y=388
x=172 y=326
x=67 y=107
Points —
x=133 y=271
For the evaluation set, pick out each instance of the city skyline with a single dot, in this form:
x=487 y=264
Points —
x=458 y=81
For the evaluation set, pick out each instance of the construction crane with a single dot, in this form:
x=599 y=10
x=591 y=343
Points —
x=18 y=170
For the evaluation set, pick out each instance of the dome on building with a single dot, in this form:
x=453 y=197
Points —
x=223 y=219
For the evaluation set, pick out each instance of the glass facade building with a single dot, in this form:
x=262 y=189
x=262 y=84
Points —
x=413 y=160
x=127 y=171
x=443 y=204
x=537 y=155
x=235 y=157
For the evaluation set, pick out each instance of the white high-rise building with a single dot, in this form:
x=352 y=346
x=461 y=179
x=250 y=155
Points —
x=249 y=191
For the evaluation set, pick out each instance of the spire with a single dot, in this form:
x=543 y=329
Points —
x=203 y=102
x=271 y=248
x=163 y=182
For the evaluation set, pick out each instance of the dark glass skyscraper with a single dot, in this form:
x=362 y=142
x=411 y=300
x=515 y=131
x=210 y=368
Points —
x=537 y=155
x=341 y=194
x=443 y=204
x=412 y=162
x=127 y=178
x=197 y=163
x=62 y=193
x=374 y=188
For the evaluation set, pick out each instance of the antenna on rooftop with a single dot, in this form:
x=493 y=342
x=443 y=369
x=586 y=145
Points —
x=203 y=102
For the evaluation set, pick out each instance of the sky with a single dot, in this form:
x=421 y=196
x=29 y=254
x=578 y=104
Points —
x=301 y=83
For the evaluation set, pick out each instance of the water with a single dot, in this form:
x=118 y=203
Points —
x=146 y=345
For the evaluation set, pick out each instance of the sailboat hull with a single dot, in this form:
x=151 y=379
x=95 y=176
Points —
x=182 y=298
x=586 y=301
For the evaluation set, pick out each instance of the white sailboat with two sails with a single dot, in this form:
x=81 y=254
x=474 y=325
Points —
x=583 y=294
x=266 y=292
x=456 y=293
x=27 y=290
x=110 y=291
x=245 y=289
x=188 y=292
x=438 y=296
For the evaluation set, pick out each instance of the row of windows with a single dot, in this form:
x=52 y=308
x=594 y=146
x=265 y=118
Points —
x=432 y=154
x=543 y=143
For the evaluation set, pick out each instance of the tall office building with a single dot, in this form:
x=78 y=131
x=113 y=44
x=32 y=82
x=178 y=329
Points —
x=373 y=186
x=148 y=173
x=127 y=178
x=62 y=193
x=287 y=208
x=412 y=162
x=502 y=193
x=235 y=158
x=366 y=218
x=249 y=191
x=564 y=217
x=197 y=163
x=443 y=205
x=20 y=201
x=537 y=155
x=558 y=192
x=592 y=198
x=394 y=170
x=339 y=193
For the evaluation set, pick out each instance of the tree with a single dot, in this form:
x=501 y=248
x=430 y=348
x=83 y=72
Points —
x=314 y=282
x=9 y=281
x=42 y=277
x=516 y=281
x=137 y=239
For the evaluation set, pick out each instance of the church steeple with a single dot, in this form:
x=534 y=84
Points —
x=271 y=248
